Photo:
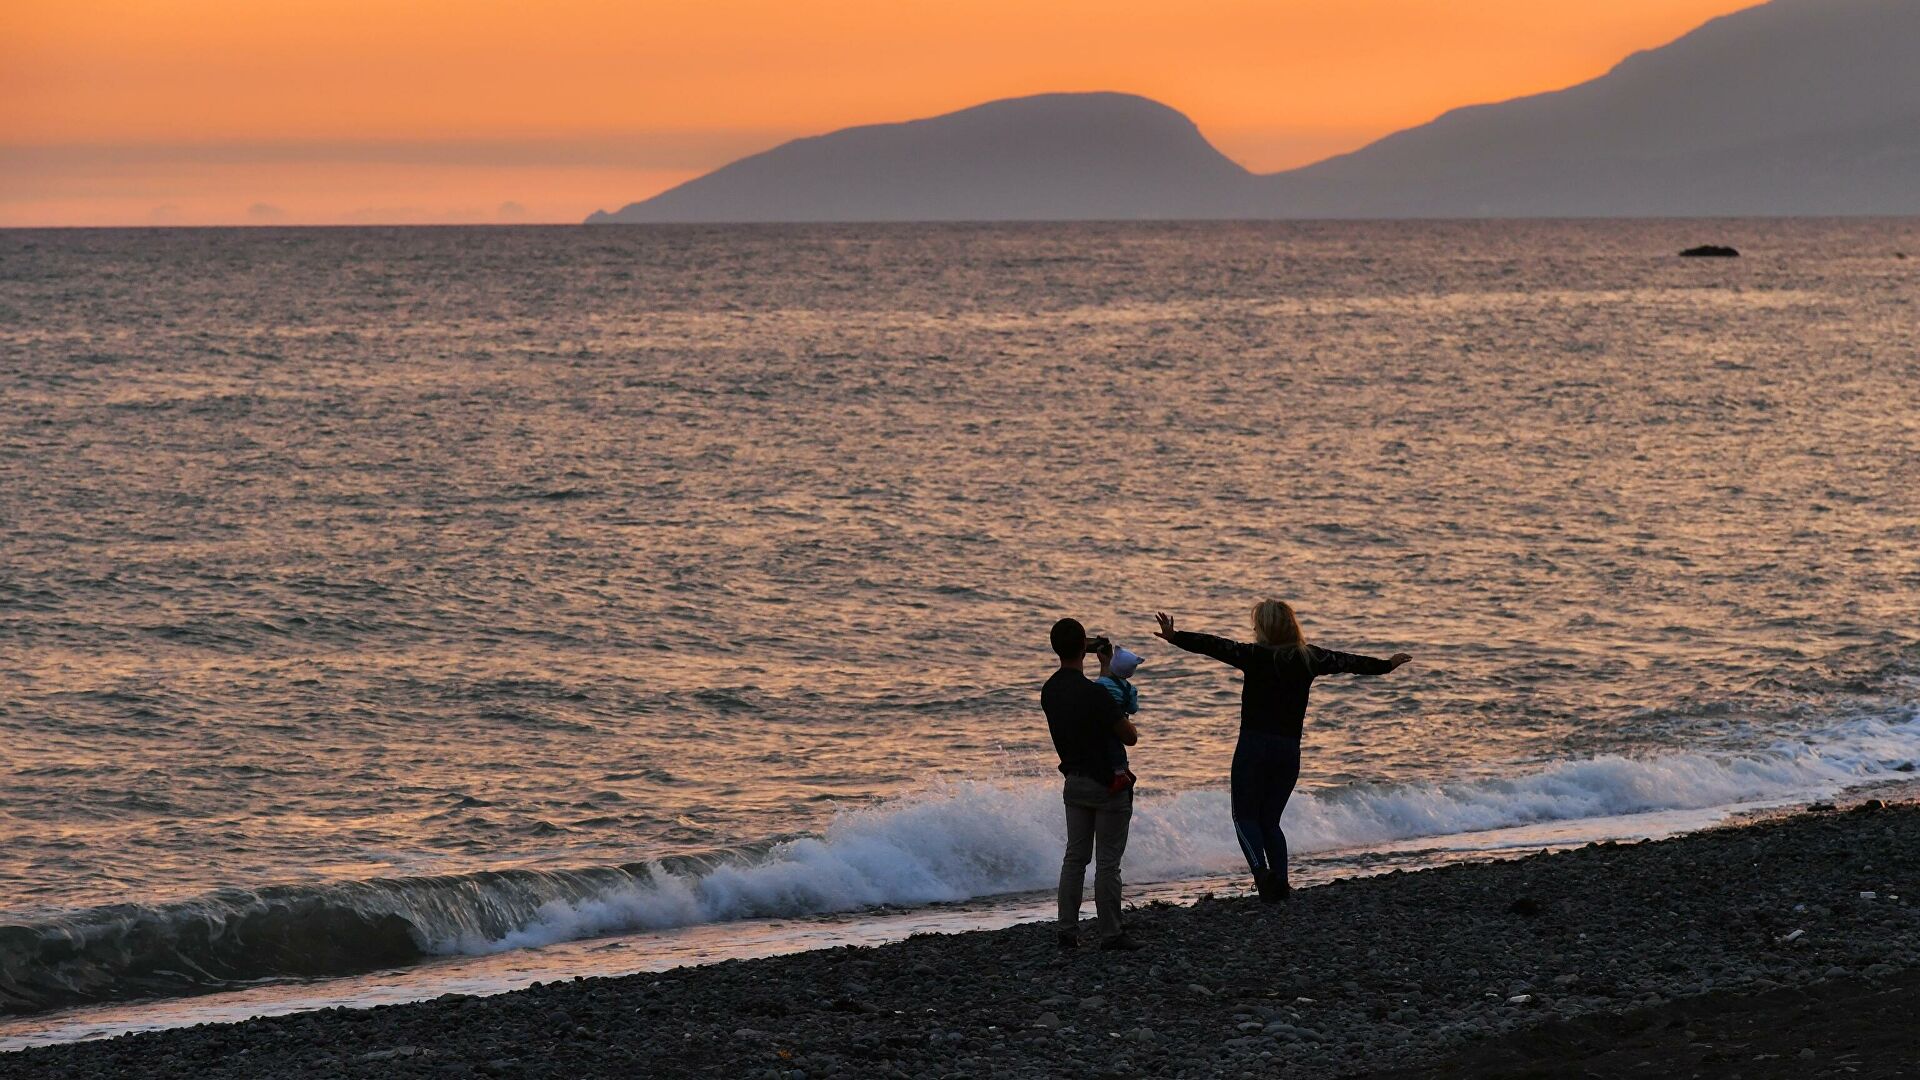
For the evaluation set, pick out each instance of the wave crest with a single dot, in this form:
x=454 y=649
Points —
x=955 y=841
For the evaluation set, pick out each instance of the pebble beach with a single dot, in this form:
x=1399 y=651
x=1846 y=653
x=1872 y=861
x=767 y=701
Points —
x=1503 y=968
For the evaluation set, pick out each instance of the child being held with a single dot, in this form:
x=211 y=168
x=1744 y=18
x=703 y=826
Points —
x=1114 y=674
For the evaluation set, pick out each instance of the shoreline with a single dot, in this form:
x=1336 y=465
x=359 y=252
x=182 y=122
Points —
x=621 y=954
x=1396 y=971
x=242 y=958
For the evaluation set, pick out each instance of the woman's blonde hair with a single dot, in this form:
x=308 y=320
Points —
x=1275 y=624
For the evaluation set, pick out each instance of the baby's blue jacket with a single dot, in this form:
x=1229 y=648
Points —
x=1128 y=699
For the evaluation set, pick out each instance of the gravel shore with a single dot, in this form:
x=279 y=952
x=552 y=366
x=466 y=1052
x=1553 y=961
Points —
x=1487 y=969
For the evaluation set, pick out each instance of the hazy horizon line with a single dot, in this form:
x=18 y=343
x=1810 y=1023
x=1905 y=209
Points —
x=36 y=168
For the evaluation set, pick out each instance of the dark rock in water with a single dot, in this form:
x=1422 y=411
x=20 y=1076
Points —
x=1868 y=807
x=1819 y=807
x=1710 y=251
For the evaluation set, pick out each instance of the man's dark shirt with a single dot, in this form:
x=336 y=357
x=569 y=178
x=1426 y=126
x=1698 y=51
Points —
x=1081 y=718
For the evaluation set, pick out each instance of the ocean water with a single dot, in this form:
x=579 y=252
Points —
x=418 y=600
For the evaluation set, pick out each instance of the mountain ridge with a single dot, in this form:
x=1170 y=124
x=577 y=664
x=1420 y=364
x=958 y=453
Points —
x=1793 y=107
x=1103 y=154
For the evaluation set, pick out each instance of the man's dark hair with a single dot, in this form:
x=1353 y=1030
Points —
x=1069 y=639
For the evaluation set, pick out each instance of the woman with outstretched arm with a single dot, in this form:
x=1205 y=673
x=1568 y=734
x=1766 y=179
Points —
x=1279 y=667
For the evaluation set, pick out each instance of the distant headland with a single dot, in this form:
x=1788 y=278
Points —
x=1794 y=107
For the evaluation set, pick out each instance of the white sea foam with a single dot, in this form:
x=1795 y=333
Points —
x=965 y=839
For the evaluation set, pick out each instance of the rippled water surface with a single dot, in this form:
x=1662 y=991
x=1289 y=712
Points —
x=338 y=555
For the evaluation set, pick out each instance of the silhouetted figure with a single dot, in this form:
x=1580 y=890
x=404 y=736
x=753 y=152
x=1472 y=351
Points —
x=1279 y=667
x=1083 y=720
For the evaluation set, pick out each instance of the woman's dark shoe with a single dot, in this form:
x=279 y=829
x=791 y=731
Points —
x=1067 y=939
x=1274 y=889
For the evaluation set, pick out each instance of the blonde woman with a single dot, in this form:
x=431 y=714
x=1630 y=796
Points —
x=1279 y=667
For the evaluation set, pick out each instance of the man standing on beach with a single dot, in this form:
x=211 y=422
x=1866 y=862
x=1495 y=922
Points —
x=1082 y=718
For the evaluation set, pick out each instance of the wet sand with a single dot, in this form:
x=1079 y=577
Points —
x=1788 y=947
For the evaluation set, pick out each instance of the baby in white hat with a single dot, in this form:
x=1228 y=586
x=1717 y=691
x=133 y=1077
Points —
x=1114 y=673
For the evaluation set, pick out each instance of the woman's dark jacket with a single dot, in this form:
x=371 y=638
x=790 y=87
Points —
x=1274 y=701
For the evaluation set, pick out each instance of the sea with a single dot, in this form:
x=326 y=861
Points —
x=393 y=612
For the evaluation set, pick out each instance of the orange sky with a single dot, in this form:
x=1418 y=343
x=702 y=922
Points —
x=216 y=111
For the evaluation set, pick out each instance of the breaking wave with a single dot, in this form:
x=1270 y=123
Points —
x=957 y=840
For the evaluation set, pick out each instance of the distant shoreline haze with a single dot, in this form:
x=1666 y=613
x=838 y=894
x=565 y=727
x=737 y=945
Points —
x=225 y=112
x=1788 y=108
x=1793 y=108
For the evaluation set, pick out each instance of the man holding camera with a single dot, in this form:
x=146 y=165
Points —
x=1083 y=720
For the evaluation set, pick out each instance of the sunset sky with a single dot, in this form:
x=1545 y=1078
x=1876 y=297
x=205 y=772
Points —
x=326 y=111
